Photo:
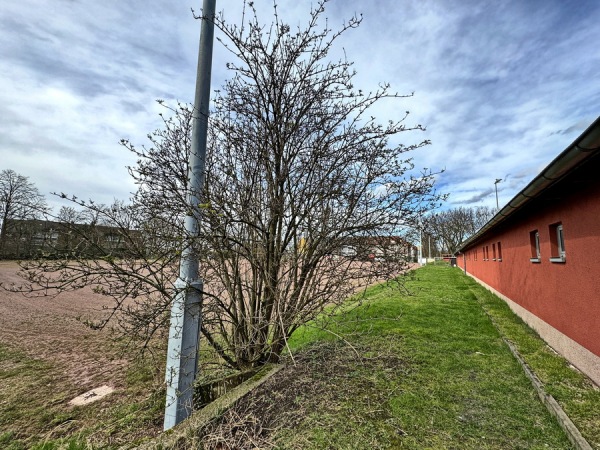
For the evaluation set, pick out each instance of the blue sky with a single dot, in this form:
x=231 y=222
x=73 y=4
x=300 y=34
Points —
x=502 y=86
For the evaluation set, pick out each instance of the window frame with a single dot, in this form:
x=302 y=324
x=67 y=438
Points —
x=557 y=243
x=534 y=241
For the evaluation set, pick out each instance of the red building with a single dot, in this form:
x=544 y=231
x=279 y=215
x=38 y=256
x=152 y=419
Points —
x=541 y=253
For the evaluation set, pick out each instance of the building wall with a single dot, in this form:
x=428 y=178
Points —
x=34 y=238
x=565 y=296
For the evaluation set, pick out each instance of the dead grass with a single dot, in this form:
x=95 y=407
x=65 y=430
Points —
x=303 y=391
x=48 y=356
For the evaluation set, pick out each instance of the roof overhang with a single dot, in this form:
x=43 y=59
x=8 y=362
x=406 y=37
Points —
x=583 y=148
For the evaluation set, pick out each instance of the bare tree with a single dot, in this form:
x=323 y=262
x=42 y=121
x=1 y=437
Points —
x=453 y=226
x=70 y=215
x=19 y=200
x=298 y=173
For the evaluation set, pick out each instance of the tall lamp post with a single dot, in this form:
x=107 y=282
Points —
x=498 y=180
x=182 y=352
x=420 y=244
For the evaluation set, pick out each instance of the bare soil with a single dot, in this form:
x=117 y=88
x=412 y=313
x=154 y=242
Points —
x=53 y=329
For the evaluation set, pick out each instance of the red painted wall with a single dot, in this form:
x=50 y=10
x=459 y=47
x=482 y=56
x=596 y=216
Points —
x=565 y=295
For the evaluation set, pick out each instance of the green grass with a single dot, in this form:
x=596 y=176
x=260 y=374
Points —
x=34 y=411
x=427 y=370
x=574 y=392
x=458 y=385
x=28 y=400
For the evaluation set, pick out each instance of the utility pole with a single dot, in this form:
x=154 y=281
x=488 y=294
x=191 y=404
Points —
x=429 y=249
x=420 y=243
x=184 y=333
x=498 y=180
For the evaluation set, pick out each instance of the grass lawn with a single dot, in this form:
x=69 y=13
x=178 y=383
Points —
x=34 y=411
x=576 y=394
x=422 y=371
x=426 y=369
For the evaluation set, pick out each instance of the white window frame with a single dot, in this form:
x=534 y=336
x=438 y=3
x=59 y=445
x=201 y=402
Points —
x=536 y=239
x=560 y=245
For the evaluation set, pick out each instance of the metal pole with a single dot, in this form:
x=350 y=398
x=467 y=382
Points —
x=420 y=243
x=429 y=248
x=498 y=180
x=182 y=353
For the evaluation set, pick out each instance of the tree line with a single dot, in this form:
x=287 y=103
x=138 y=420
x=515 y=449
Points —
x=445 y=230
x=29 y=227
x=22 y=204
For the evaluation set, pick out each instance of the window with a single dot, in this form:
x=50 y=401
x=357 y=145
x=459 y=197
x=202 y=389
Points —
x=499 y=251
x=38 y=239
x=534 y=240
x=494 y=252
x=483 y=252
x=557 y=243
x=44 y=237
x=487 y=252
x=475 y=254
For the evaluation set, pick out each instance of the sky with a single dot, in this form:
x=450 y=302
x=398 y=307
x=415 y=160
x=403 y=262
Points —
x=501 y=86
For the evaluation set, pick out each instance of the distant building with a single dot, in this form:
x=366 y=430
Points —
x=541 y=253
x=33 y=238
x=389 y=248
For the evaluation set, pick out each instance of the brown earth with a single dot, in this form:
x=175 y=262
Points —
x=323 y=380
x=53 y=329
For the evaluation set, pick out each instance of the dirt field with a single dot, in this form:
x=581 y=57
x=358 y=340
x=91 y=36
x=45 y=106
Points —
x=34 y=399
x=53 y=329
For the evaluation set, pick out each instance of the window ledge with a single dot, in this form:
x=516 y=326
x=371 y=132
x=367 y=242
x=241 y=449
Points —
x=558 y=259
x=535 y=260
x=499 y=259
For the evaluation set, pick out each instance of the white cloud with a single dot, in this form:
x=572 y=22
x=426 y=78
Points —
x=502 y=87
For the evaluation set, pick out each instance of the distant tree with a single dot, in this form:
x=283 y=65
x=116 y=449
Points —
x=69 y=219
x=430 y=244
x=453 y=226
x=93 y=216
x=70 y=215
x=297 y=170
x=19 y=199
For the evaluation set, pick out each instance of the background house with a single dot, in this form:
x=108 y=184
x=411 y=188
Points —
x=389 y=248
x=32 y=238
x=541 y=253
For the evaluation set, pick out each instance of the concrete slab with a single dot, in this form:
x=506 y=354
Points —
x=91 y=396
